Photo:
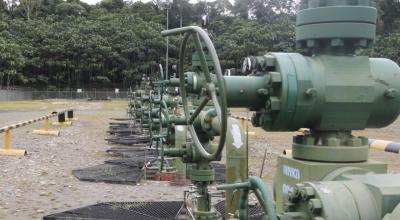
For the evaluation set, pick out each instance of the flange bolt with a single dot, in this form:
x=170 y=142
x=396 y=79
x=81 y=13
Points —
x=315 y=206
x=307 y=193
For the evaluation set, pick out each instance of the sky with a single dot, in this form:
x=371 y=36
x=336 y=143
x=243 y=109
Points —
x=93 y=2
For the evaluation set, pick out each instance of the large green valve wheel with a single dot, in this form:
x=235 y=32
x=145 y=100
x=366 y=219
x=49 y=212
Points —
x=209 y=92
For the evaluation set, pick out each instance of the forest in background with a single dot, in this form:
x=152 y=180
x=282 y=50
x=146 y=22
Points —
x=56 y=44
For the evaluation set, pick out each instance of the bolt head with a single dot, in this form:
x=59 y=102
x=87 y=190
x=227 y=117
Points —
x=293 y=194
x=311 y=92
x=270 y=61
x=391 y=93
x=315 y=206
x=307 y=193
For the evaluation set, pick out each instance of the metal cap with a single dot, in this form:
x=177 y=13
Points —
x=336 y=25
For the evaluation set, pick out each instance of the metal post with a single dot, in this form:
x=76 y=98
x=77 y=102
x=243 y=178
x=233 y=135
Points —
x=145 y=165
x=46 y=124
x=180 y=16
x=7 y=140
x=167 y=53
x=242 y=123
x=236 y=163
x=180 y=166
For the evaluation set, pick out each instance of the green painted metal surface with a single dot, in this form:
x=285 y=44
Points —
x=367 y=197
x=291 y=171
x=322 y=92
x=236 y=164
x=180 y=141
x=332 y=92
x=336 y=25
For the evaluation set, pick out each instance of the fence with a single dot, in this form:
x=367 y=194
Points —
x=20 y=95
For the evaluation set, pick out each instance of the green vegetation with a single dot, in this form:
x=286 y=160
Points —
x=114 y=105
x=32 y=105
x=51 y=44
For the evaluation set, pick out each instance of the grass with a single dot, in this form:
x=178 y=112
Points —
x=115 y=105
x=54 y=105
x=31 y=105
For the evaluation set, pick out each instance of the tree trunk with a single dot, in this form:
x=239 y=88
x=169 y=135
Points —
x=28 y=12
x=8 y=81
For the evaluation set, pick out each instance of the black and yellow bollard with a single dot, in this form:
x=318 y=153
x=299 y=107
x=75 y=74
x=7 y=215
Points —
x=70 y=116
x=61 y=120
x=46 y=130
x=7 y=148
x=243 y=124
x=382 y=145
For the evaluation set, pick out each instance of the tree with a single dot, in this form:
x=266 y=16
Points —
x=241 y=8
x=268 y=10
x=70 y=44
x=220 y=8
x=11 y=6
x=48 y=7
x=3 y=7
x=112 y=5
x=29 y=7
x=72 y=8
x=389 y=15
x=386 y=46
x=11 y=61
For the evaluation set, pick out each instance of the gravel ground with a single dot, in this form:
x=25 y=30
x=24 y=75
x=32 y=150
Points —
x=41 y=183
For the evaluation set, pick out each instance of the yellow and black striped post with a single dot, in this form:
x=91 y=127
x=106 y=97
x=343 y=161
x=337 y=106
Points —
x=382 y=145
x=7 y=148
x=243 y=124
x=46 y=130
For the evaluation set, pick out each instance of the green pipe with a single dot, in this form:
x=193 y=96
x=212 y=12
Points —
x=263 y=195
x=180 y=166
x=177 y=120
x=247 y=91
x=259 y=197
x=174 y=82
x=174 y=152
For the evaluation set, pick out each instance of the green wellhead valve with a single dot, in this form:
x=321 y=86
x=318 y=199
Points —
x=330 y=90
